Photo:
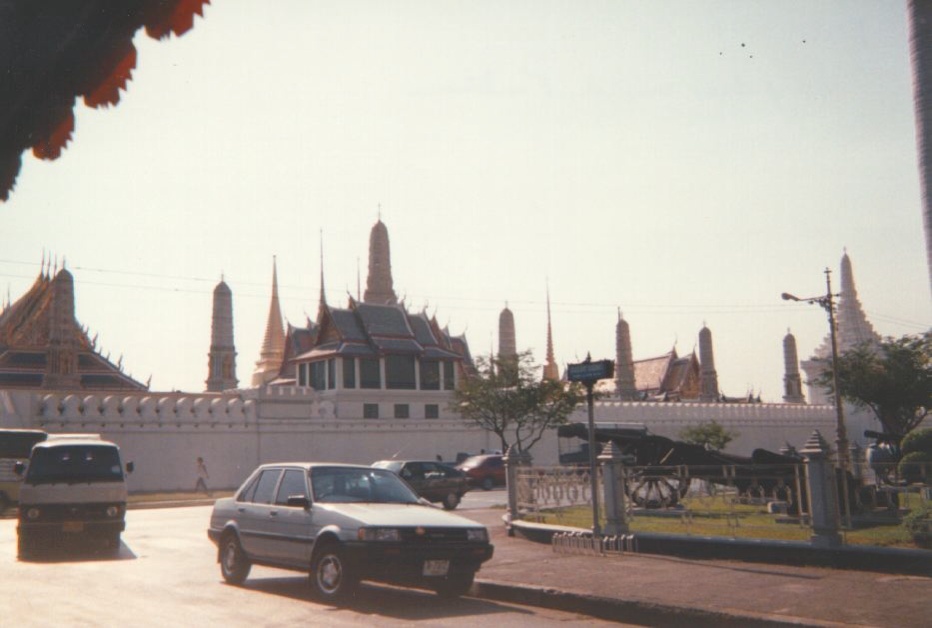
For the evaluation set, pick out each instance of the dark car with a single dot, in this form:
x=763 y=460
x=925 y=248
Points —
x=486 y=470
x=343 y=524
x=434 y=481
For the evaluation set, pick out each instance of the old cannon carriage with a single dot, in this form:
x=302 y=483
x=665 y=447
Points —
x=662 y=471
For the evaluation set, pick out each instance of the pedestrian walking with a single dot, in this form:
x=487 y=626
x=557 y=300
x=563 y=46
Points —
x=202 y=477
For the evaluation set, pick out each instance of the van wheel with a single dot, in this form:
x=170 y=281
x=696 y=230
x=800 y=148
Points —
x=25 y=544
x=113 y=542
x=331 y=578
x=234 y=566
x=451 y=501
x=487 y=484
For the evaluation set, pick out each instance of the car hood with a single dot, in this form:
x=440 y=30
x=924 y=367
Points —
x=399 y=515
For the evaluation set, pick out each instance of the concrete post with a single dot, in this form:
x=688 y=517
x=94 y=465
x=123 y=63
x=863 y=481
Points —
x=823 y=492
x=613 y=487
x=857 y=463
x=513 y=459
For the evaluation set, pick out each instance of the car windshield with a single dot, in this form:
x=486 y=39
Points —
x=370 y=485
x=74 y=464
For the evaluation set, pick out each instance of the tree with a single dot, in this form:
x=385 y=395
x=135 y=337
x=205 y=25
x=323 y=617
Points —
x=893 y=379
x=710 y=435
x=508 y=398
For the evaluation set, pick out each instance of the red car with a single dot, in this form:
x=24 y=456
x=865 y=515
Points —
x=486 y=470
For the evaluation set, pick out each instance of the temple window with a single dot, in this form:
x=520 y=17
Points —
x=400 y=372
x=331 y=373
x=449 y=380
x=318 y=375
x=431 y=411
x=349 y=372
x=370 y=410
x=430 y=375
x=402 y=411
x=369 y=373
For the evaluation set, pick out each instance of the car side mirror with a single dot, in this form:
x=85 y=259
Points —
x=298 y=501
x=19 y=468
x=130 y=467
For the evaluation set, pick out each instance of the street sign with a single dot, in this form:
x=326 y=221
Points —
x=590 y=371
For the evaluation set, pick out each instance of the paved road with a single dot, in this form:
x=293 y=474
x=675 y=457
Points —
x=165 y=574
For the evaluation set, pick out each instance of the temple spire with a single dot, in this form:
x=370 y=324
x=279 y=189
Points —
x=379 y=285
x=273 y=345
x=551 y=371
x=323 y=295
x=221 y=360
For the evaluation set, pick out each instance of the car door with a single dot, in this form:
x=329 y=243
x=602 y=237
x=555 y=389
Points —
x=413 y=474
x=439 y=482
x=292 y=526
x=255 y=528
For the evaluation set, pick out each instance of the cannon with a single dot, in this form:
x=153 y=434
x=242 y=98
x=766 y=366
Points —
x=662 y=469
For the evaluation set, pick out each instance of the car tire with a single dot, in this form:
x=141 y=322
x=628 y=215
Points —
x=234 y=565
x=455 y=585
x=451 y=501
x=487 y=484
x=332 y=579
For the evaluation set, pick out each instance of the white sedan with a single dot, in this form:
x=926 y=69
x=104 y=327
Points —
x=343 y=524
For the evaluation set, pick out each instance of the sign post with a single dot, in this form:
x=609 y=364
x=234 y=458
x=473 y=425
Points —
x=588 y=373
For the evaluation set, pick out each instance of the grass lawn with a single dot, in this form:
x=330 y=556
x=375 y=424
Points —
x=733 y=521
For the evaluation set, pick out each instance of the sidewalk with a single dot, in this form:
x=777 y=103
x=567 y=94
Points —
x=668 y=591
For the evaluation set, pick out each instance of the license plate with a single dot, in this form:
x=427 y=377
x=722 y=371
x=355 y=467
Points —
x=436 y=567
x=72 y=526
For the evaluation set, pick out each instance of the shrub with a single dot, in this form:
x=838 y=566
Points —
x=917 y=440
x=919 y=525
x=916 y=467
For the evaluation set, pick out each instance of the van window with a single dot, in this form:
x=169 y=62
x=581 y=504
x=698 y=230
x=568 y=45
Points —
x=74 y=464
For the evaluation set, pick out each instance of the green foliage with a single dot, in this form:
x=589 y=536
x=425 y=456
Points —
x=916 y=466
x=917 y=440
x=893 y=379
x=919 y=525
x=508 y=398
x=710 y=435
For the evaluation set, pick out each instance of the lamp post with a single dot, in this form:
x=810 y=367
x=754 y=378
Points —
x=827 y=302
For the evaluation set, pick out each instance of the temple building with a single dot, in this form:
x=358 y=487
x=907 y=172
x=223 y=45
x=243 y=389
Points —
x=43 y=346
x=853 y=329
x=221 y=361
x=273 y=344
x=373 y=358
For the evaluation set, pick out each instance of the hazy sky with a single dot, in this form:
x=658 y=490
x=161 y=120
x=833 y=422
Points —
x=683 y=161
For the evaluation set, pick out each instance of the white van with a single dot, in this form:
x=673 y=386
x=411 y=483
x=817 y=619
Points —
x=73 y=488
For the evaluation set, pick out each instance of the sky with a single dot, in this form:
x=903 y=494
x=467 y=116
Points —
x=681 y=162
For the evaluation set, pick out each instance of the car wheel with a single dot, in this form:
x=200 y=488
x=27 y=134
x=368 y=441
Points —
x=234 y=566
x=451 y=501
x=331 y=577
x=487 y=484
x=455 y=585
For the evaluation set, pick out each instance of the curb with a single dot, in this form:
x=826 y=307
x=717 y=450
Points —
x=629 y=611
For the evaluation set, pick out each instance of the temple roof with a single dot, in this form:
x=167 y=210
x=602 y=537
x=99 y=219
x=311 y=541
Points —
x=41 y=324
x=371 y=330
x=55 y=51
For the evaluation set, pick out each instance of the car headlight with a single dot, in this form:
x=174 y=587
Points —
x=379 y=534
x=477 y=535
x=113 y=511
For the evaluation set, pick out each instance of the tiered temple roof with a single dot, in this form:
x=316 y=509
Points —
x=42 y=345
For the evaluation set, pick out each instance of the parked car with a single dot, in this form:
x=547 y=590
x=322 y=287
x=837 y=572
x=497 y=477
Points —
x=434 y=481
x=343 y=524
x=486 y=470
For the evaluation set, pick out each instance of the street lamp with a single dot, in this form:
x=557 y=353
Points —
x=827 y=302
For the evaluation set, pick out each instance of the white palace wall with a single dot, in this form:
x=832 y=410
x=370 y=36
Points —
x=164 y=433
